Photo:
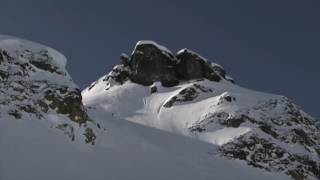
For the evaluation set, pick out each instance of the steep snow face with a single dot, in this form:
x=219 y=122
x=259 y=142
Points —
x=181 y=109
x=266 y=131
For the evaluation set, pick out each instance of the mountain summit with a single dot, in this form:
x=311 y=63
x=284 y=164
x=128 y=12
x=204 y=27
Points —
x=187 y=94
x=156 y=115
x=151 y=62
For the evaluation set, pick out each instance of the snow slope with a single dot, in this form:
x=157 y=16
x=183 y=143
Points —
x=31 y=149
x=135 y=103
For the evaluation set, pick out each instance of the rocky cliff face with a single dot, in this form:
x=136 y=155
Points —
x=35 y=84
x=186 y=94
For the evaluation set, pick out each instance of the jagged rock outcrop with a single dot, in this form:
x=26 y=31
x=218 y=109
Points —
x=34 y=83
x=192 y=66
x=151 y=62
x=25 y=91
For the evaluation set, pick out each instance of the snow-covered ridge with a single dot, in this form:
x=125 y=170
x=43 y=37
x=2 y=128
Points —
x=16 y=45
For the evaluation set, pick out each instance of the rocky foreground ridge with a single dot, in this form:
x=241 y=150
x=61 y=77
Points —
x=35 y=85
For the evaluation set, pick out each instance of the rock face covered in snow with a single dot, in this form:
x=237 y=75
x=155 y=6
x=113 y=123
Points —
x=188 y=95
x=184 y=94
x=151 y=62
x=34 y=83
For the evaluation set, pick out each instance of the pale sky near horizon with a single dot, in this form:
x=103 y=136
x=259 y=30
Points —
x=271 y=46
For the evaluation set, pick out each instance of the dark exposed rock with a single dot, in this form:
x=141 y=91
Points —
x=15 y=114
x=43 y=61
x=302 y=137
x=26 y=94
x=3 y=75
x=278 y=127
x=124 y=59
x=261 y=153
x=92 y=85
x=209 y=118
x=229 y=98
x=197 y=128
x=233 y=122
x=219 y=70
x=122 y=77
x=43 y=106
x=90 y=136
x=1 y=57
x=69 y=104
x=268 y=129
x=187 y=94
x=149 y=64
x=202 y=88
x=192 y=66
x=225 y=98
x=153 y=89
x=35 y=86
x=44 y=66
x=119 y=73
x=5 y=55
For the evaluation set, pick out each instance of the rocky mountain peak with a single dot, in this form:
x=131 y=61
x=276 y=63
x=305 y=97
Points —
x=151 y=62
x=264 y=130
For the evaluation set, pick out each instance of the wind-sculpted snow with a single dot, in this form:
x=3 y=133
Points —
x=266 y=131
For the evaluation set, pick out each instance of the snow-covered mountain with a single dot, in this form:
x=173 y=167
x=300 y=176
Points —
x=188 y=95
x=136 y=122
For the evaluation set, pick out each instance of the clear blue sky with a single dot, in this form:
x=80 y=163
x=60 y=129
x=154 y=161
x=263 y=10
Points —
x=271 y=46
